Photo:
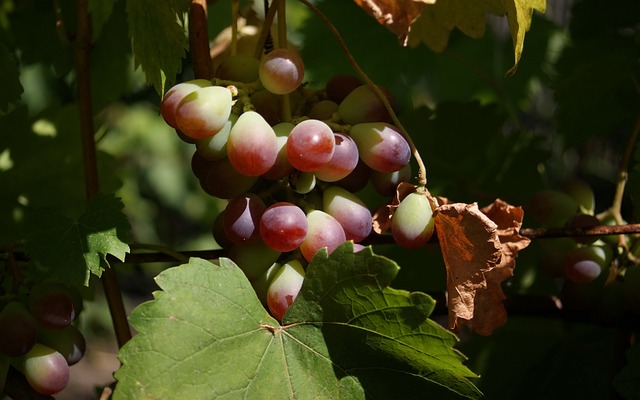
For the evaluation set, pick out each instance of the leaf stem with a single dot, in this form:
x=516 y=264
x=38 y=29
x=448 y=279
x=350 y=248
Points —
x=422 y=171
x=199 y=40
x=83 y=65
x=161 y=249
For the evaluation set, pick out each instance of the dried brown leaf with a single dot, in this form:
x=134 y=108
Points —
x=396 y=15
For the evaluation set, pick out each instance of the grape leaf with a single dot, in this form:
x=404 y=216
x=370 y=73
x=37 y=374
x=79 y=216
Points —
x=438 y=20
x=479 y=249
x=9 y=79
x=627 y=382
x=158 y=38
x=347 y=335
x=71 y=250
x=100 y=11
x=396 y=15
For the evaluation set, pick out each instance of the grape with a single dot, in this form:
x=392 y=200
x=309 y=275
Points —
x=554 y=253
x=252 y=147
x=583 y=221
x=357 y=179
x=323 y=110
x=381 y=147
x=52 y=305
x=284 y=288
x=46 y=370
x=339 y=86
x=342 y=163
x=324 y=231
x=18 y=330
x=582 y=193
x=282 y=167
x=281 y=71
x=412 y=222
x=283 y=226
x=268 y=105
x=253 y=258
x=214 y=148
x=631 y=288
x=242 y=218
x=386 y=183
x=349 y=211
x=238 y=68
x=552 y=208
x=310 y=145
x=364 y=105
x=218 y=232
x=68 y=341
x=203 y=112
x=175 y=95
x=584 y=264
x=302 y=182
x=219 y=178
x=261 y=284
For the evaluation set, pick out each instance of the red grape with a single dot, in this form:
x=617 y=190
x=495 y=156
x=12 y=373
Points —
x=349 y=211
x=242 y=218
x=342 y=163
x=284 y=288
x=310 y=145
x=381 y=146
x=281 y=71
x=283 y=226
x=252 y=147
x=324 y=231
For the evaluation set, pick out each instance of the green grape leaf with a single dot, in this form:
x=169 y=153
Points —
x=70 y=250
x=158 y=38
x=9 y=79
x=347 y=335
x=436 y=22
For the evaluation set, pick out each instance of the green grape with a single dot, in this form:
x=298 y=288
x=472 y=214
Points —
x=323 y=110
x=261 y=284
x=238 y=68
x=552 y=208
x=214 y=148
x=67 y=341
x=582 y=193
x=174 y=96
x=364 y=105
x=584 y=264
x=253 y=258
x=204 y=112
x=284 y=288
x=18 y=330
x=302 y=182
x=412 y=223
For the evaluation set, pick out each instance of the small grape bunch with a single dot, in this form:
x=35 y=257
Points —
x=38 y=337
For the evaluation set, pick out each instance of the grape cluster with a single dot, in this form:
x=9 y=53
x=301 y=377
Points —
x=289 y=159
x=594 y=280
x=38 y=338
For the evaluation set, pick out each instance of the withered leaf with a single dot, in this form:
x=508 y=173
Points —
x=396 y=15
x=471 y=248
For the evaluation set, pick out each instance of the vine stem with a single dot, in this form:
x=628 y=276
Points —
x=199 y=40
x=82 y=58
x=422 y=171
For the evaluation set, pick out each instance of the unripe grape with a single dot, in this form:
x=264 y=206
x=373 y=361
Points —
x=302 y=182
x=582 y=193
x=281 y=71
x=242 y=218
x=174 y=96
x=261 y=284
x=338 y=87
x=412 y=223
x=342 y=163
x=51 y=305
x=204 y=112
x=310 y=145
x=552 y=208
x=68 y=341
x=584 y=264
x=282 y=167
x=364 y=105
x=323 y=110
x=214 y=148
x=252 y=147
x=283 y=226
x=349 y=211
x=239 y=68
x=284 y=288
x=46 y=370
x=381 y=146
x=18 y=330
x=386 y=183
x=324 y=231
x=253 y=258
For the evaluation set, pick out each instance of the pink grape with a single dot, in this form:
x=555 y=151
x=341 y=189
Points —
x=342 y=163
x=310 y=145
x=282 y=167
x=46 y=370
x=252 y=147
x=174 y=96
x=283 y=226
x=284 y=288
x=324 y=231
x=204 y=112
x=412 y=223
x=242 y=218
x=281 y=71
x=349 y=211
x=364 y=105
x=381 y=146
